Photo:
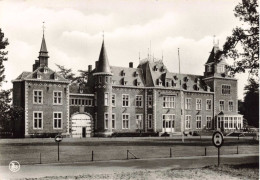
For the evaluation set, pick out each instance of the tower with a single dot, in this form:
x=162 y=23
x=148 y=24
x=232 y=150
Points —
x=103 y=94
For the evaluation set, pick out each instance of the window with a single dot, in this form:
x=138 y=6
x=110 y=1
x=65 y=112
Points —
x=37 y=120
x=113 y=121
x=114 y=100
x=168 y=120
x=225 y=89
x=138 y=100
x=150 y=101
x=198 y=104
x=39 y=76
x=209 y=68
x=37 y=96
x=187 y=121
x=95 y=120
x=106 y=99
x=221 y=105
x=226 y=123
x=221 y=68
x=125 y=100
x=188 y=103
x=208 y=122
x=169 y=101
x=57 y=97
x=106 y=79
x=72 y=101
x=139 y=121
x=208 y=104
x=95 y=97
x=230 y=105
x=106 y=120
x=150 y=117
x=99 y=79
x=57 y=120
x=125 y=119
x=198 y=122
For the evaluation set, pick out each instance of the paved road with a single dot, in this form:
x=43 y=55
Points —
x=108 y=167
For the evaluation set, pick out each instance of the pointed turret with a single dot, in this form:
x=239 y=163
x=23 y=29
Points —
x=212 y=55
x=43 y=54
x=103 y=64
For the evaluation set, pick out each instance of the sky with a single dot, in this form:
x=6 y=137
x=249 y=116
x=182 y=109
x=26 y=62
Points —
x=73 y=32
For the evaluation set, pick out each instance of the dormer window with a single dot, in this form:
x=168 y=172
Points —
x=185 y=86
x=124 y=82
x=173 y=84
x=55 y=77
x=138 y=82
x=196 y=87
x=81 y=91
x=185 y=79
x=136 y=73
x=155 y=68
x=159 y=82
x=123 y=73
x=221 y=68
x=209 y=68
x=39 y=76
x=163 y=68
x=175 y=77
x=45 y=70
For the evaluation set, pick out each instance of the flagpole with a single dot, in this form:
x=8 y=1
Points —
x=181 y=97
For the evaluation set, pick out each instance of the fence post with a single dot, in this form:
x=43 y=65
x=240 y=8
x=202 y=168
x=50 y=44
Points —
x=205 y=151
x=127 y=154
x=40 y=158
x=92 y=159
x=237 y=149
x=170 y=152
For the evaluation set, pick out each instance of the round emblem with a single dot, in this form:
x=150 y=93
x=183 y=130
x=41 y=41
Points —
x=217 y=139
x=14 y=166
x=58 y=138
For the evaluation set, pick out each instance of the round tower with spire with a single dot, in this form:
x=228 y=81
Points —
x=103 y=94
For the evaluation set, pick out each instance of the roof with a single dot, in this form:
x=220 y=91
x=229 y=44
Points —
x=130 y=75
x=103 y=65
x=80 y=89
x=45 y=74
x=229 y=113
x=43 y=51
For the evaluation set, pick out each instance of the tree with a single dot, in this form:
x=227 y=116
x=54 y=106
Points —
x=251 y=103
x=3 y=44
x=243 y=45
x=66 y=73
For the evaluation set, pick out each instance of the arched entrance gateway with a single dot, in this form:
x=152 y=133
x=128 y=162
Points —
x=81 y=125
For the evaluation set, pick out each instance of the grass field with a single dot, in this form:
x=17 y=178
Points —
x=34 y=151
x=230 y=172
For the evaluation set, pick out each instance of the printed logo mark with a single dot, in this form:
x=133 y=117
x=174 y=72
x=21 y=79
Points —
x=14 y=166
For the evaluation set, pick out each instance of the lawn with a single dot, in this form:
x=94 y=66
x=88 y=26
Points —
x=34 y=151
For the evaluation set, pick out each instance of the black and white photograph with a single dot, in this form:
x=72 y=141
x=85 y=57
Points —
x=129 y=89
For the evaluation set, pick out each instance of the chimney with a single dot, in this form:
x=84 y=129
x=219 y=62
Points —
x=96 y=64
x=36 y=65
x=89 y=68
x=131 y=64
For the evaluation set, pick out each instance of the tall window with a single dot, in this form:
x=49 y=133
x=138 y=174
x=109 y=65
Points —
x=113 y=121
x=169 y=101
x=225 y=89
x=57 y=120
x=114 y=100
x=221 y=105
x=198 y=122
x=125 y=100
x=37 y=120
x=198 y=104
x=37 y=96
x=57 y=97
x=138 y=100
x=106 y=120
x=150 y=101
x=150 y=117
x=139 y=121
x=188 y=103
x=226 y=123
x=230 y=105
x=208 y=122
x=125 y=119
x=208 y=104
x=106 y=99
x=106 y=79
x=99 y=79
x=187 y=121
x=168 y=120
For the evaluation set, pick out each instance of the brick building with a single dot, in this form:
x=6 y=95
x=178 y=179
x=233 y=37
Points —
x=147 y=98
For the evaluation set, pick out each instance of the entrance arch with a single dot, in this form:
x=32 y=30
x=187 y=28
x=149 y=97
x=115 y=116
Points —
x=81 y=125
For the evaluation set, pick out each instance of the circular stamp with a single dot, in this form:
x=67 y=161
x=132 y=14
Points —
x=14 y=166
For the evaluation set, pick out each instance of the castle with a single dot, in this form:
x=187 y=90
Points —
x=147 y=98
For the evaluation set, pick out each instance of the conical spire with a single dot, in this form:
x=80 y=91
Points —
x=212 y=55
x=103 y=65
x=43 y=54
